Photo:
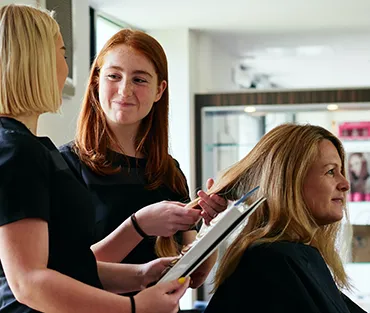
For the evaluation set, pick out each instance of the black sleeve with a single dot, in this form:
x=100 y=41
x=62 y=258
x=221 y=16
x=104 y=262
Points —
x=268 y=283
x=25 y=180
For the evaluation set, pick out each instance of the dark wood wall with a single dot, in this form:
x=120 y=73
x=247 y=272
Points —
x=284 y=97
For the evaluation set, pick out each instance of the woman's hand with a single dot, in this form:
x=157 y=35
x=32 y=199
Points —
x=152 y=271
x=211 y=204
x=162 y=298
x=165 y=218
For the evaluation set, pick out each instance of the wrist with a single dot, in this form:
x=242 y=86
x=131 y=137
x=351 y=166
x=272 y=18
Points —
x=135 y=223
x=140 y=274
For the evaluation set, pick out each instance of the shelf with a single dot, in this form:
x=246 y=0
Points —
x=356 y=145
x=359 y=213
x=210 y=147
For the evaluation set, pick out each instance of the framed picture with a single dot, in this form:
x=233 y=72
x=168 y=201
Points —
x=359 y=175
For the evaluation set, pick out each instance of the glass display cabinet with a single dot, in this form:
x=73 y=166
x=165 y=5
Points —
x=229 y=130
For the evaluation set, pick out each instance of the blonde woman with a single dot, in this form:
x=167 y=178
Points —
x=285 y=259
x=46 y=215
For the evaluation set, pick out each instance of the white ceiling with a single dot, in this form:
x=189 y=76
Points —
x=241 y=15
x=283 y=38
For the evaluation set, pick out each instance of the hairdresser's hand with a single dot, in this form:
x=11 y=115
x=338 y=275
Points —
x=161 y=298
x=152 y=271
x=211 y=204
x=165 y=218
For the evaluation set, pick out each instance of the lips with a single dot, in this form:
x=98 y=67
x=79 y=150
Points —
x=338 y=200
x=123 y=103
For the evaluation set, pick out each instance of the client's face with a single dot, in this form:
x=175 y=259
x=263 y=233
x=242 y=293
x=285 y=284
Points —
x=325 y=187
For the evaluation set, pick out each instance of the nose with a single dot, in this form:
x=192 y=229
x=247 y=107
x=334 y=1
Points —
x=126 y=88
x=344 y=184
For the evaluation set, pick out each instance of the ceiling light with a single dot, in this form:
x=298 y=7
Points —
x=249 y=109
x=332 y=107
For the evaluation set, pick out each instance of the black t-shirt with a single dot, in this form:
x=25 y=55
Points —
x=35 y=182
x=118 y=195
x=281 y=277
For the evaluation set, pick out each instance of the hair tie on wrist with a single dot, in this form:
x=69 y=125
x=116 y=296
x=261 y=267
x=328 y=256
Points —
x=137 y=227
x=133 y=306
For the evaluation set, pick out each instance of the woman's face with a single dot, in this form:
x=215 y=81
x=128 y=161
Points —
x=128 y=86
x=325 y=187
x=62 y=67
x=355 y=164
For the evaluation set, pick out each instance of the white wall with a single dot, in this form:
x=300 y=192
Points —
x=176 y=45
x=215 y=64
x=29 y=2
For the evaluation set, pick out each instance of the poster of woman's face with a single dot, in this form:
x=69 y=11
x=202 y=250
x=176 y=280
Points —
x=359 y=177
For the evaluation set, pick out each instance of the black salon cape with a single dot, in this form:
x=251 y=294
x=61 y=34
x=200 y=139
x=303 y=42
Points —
x=281 y=277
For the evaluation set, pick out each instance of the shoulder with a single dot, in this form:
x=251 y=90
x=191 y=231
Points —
x=68 y=153
x=21 y=148
x=72 y=159
x=67 y=148
x=281 y=252
x=285 y=261
x=177 y=164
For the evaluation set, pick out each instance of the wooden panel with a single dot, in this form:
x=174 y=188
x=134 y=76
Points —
x=285 y=97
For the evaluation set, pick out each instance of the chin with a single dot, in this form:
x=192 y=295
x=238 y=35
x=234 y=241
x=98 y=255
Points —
x=326 y=220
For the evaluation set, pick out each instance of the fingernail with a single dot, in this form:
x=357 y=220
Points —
x=181 y=280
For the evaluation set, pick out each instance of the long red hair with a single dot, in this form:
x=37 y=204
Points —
x=94 y=137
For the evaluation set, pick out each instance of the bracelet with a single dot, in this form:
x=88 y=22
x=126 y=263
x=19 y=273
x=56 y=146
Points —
x=133 y=306
x=137 y=227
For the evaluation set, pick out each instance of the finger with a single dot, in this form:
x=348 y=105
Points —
x=206 y=207
x=202 y=194
x=210 y=183
x=167 y=260
x=219 y=200
x=183 y=227
x=190 y=220
x=216 y=206
x=180 y=285
x=207 y=219
x=214 y=201
x=189 y=213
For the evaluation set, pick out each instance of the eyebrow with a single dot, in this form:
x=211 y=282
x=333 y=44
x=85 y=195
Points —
x=333 y=164
x=135 y=72
x=63 y=48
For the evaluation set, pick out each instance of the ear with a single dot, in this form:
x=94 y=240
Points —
x=160 y=89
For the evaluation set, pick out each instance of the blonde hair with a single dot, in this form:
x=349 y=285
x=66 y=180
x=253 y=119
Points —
x=279 y=164
x=28 y=78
